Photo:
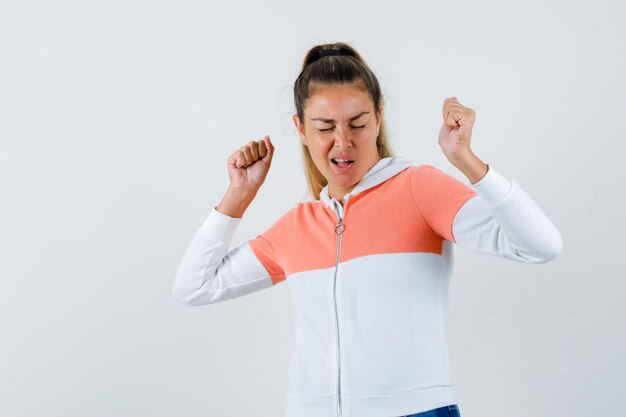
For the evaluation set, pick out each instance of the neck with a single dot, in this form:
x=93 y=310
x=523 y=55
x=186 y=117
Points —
x=339 y=194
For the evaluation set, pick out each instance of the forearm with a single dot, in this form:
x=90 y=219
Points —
x=209 y=272
x=470 y=165
x=235 y=202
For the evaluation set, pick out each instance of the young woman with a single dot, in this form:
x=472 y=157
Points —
x=368 y=262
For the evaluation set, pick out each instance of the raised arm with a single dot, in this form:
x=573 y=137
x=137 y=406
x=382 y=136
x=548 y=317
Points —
x=492 y=214
x=209 y=272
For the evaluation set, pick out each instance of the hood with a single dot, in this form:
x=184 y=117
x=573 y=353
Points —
x=384 y=169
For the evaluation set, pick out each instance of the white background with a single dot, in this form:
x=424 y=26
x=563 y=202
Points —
x=116 y=120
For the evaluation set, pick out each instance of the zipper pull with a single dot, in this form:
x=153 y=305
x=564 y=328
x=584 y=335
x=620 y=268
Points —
x=340 y=226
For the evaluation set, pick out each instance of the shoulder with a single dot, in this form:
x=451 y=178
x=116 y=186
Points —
x=299 y=209
x=417 y=173
x=429 y=175
x=420 y=169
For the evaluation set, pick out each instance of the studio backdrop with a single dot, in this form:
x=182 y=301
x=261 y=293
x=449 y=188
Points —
x=116 y=122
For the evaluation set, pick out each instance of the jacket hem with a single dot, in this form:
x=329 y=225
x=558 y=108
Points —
x=383 y=405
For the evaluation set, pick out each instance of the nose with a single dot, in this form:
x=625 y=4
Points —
x=343 y=138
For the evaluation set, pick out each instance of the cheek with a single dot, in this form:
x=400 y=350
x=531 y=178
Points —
x=318 y=151
x=321 y=147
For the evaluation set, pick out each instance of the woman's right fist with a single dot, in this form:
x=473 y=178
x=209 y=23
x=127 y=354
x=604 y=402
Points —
x=248 y=166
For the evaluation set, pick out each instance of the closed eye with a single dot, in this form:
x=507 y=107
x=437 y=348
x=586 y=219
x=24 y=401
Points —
x=356 y=127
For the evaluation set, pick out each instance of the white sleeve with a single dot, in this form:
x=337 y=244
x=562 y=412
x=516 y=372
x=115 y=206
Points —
x=210 y=273
x=502 y=220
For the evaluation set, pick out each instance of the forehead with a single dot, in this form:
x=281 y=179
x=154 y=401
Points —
x=339 y=102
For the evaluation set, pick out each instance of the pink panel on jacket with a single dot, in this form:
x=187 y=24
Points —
x=411 y=212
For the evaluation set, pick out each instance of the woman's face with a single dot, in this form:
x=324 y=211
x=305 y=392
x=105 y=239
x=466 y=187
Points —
x=339 y=122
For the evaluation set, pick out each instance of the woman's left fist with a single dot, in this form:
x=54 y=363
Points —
x=456 y=131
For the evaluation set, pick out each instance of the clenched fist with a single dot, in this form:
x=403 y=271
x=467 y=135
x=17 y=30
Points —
x=248 y=166
x=456 y=131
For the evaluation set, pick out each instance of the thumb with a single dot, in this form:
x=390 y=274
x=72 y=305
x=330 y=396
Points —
x=267 y=159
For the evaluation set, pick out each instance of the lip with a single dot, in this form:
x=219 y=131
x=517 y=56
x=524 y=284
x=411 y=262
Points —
x=341 y=170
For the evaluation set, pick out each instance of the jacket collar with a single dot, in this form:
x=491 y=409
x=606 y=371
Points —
x=384 y=169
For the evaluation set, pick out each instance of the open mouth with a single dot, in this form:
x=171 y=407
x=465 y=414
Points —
x=342 y=162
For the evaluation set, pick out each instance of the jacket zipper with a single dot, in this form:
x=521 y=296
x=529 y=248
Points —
x=339 y=228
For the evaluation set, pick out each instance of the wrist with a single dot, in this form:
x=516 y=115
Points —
x=471 y=166
x=240 y=194
x=235 y=202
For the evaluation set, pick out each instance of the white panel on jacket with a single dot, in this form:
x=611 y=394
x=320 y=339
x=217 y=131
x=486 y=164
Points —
x=209 y=274
x=514 y=227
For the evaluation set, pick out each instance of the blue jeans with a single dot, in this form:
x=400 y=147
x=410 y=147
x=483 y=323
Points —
x=451 y=410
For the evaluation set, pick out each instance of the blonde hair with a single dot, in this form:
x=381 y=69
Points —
x=318 y=72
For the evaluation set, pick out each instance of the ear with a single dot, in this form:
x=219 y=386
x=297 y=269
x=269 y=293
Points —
x=300 y=129
x=380 y=118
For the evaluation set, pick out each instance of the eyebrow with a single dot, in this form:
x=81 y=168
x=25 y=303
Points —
x=333 y=120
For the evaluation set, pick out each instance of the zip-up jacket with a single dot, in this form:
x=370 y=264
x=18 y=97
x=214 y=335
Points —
x=369 y=280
